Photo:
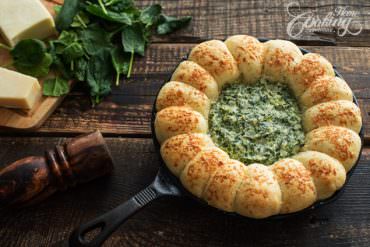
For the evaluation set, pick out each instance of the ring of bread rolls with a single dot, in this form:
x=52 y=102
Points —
x=330 y=119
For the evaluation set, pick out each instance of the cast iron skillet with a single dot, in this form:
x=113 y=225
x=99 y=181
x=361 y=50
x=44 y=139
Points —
x=166 y=184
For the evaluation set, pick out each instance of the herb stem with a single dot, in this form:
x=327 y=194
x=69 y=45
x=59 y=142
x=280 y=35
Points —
x=103 y=7
x=81 y=21
x=109 y=3
x=117 y=79
x=8 y=48
x=131 y=63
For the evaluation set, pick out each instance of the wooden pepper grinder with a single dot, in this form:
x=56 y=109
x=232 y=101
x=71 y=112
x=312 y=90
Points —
x=34 y=178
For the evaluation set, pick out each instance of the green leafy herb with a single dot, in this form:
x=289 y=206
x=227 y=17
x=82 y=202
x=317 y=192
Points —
x=150 y=15
x=121 y=63
x=81 y=20
x=109 y=15
x=55 y=87
x=80 y=69
x=98 y=39
x=99 y=75
x=66 y=15
x=133 y=41
x=95 y=39
x=30 y=57
x=168 y=24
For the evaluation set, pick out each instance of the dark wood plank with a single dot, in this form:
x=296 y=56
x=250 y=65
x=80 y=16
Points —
x=128 y=110
x=220 y=19
x=175 y=222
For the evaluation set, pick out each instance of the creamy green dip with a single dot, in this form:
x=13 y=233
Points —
x=258 y=123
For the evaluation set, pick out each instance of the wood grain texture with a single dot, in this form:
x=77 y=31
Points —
x=220 y=19
x=128 y=110
x=171 y=221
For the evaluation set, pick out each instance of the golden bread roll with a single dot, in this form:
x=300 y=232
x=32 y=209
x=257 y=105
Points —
x=214 y=56
x=175 y=93
x=193 y=74
x=339 y=113
x=175 y=120
x=338 y=142
x=259 y=194
x=178 y=150
x=280 y=58
x=327 y=173
x=198 y=171
x=297 y=187
x=311 y=67
x=248 y=53
x=223 y=184
x=324 y=89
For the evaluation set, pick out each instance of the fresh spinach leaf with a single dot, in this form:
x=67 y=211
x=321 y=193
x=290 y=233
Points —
x=81 y=20
x=133 y=39
x=72 y=52
x=121 y=62
x=81 y=66
x=67 y=14
x=28 y=52
x=37 y=70
x=122 y=17
x=30 y=57
x=94 y=39
x=67 y=37
x=55 y=87
x=57 y=63
x=127 y=6
x=169 y=24
x=99 y=75
x=151 y=14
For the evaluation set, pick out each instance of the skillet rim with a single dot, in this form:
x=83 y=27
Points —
x=175 y=181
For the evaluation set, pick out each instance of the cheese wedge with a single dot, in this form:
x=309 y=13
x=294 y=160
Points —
x=18 y=90
x=24 y=19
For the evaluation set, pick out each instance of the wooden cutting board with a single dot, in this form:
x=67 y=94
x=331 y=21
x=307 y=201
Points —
x=28 y=120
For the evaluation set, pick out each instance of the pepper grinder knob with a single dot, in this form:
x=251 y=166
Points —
x=32 y=179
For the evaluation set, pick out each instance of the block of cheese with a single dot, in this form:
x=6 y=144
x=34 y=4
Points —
x=18 y=90
x=24 y=19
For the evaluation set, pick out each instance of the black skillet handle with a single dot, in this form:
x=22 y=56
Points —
x=107 y=223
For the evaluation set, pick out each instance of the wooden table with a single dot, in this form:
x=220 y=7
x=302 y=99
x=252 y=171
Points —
x=124 y=118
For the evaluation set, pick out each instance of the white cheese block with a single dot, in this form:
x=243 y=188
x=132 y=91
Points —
x=24 y=19
x=18 y=90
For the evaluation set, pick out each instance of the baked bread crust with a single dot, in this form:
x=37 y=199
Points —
x=259 y=195
x=297 y=187
x=193 y=74
x=248 y=53
x=330 y=119
x=339 y=113
x=214 y=56
x=176 y=93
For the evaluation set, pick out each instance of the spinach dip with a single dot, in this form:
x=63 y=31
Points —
x=258 y=123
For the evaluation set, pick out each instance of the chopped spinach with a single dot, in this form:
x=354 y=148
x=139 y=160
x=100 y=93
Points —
x=258 y=123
